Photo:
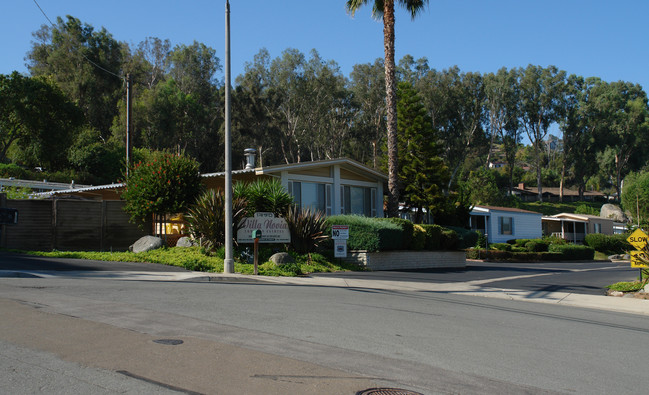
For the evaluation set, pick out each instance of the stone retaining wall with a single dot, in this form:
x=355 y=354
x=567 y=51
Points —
x=396 y=260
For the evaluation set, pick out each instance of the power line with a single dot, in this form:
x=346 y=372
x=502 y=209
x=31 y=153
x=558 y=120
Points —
x=81 y=53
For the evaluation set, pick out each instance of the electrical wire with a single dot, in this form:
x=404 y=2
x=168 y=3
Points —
x=82 y=54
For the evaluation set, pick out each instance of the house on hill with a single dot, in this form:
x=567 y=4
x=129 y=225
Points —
x=575 y=227
x=500 y=224
x=551 y=194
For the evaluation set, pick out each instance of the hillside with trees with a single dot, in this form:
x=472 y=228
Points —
x=68 y=117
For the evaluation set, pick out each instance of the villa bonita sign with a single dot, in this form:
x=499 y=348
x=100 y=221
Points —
x=273 y=230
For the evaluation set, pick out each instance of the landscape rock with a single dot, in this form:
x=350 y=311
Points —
x=185 y=242
x=147 y=243
x=281 y=258
x=613 y=212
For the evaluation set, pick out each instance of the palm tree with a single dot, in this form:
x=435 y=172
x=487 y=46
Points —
x=385 y=9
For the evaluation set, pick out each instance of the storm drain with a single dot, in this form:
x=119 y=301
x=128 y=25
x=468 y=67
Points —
x=387 y=391
x=169 y=342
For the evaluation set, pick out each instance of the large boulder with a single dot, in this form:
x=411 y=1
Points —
x=613 y=212
x=185 y=242
x=147 y=243
x=281 y=258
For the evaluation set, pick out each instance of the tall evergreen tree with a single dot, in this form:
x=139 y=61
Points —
x=422 y=172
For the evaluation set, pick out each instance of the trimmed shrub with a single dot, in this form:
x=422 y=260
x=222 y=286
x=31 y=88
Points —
x=433 y=237
x=498 y=255
x=369 y=234
x=418 y=238
x=407 y=227
x=610 y=244
x=571 y=251
x=500 y=246
x=536 y=246
x=466 y=238
x=521 y=242
x=449 y=239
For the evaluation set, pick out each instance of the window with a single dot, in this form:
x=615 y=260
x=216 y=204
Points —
x=506 y=225
x=358 y=200
x=311 y=195
x=597 y=228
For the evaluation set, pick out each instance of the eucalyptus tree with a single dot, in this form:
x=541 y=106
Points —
x=456 y=105
x=368 y=87
x=579 y=145
x=542 y=91
x=253 y=109
x=86 y=64
x=385 y=9
x=327 y=112
x=502 y=110
x=287 y=88
x=619 y=110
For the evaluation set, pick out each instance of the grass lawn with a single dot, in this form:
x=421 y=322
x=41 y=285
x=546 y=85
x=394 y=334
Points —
x=193 y=258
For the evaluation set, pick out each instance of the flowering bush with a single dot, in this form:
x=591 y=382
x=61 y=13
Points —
x=163 y=184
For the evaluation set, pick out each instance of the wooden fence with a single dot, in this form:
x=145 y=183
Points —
x=69 y=225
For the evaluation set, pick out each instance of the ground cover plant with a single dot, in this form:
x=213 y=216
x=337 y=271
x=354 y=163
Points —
x=196 y=259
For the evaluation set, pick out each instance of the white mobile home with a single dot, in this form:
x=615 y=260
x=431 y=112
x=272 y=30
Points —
x=500 y=224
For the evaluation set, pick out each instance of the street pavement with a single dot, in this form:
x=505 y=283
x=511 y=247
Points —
x=45 y=347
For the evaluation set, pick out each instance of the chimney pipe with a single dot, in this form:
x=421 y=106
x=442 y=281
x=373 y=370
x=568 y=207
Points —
x=249 y=153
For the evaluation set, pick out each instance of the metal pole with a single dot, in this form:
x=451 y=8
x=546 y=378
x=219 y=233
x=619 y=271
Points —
x=129 y=121
x=228 y=263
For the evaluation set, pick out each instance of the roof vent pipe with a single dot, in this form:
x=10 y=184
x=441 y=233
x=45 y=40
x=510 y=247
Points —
x=249 y=153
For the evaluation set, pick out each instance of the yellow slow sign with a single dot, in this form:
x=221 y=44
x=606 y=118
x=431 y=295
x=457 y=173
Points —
x=636 y=262
x=638 y=239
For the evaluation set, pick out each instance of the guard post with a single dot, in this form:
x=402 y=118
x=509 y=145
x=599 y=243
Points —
x=256 y=235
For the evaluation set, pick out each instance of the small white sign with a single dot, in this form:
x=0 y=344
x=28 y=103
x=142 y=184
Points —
x=263 y=214
x=340 y=232
x=340 y=248
x=273 y=230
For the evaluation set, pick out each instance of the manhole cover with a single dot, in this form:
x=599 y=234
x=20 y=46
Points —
x=169 y=342
x=387 y=391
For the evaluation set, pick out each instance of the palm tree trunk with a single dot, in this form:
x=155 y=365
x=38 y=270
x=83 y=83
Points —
x=391 y=104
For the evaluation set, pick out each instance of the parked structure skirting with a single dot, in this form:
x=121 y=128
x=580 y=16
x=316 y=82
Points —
x=395 y=260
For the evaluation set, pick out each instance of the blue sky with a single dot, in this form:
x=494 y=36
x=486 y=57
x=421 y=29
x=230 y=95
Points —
x=603 y=38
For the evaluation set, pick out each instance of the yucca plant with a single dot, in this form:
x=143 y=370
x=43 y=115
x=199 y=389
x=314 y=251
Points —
x=206 y=218
x=265 y=195
x=307 y=229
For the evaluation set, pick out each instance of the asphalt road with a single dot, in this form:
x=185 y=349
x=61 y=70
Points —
x=577 y=277
x=432 y=342
x=589 y=278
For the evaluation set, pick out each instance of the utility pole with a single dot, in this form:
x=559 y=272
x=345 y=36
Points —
x=228 y=262
x=129 y=121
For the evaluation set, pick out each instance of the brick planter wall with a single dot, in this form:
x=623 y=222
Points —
x=395 y=260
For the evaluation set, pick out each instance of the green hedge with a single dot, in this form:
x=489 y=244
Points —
x=611 y=244
x=466 y=238
x=571 y=251
x=500 y=246
x=499 y=255
x=408 y=230
x=449 y=240
x=537 y=246
x=433 y=237
x=418 y=238
x=368 y=234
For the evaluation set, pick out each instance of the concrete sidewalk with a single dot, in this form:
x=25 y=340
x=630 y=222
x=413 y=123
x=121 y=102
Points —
x=472 y=288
